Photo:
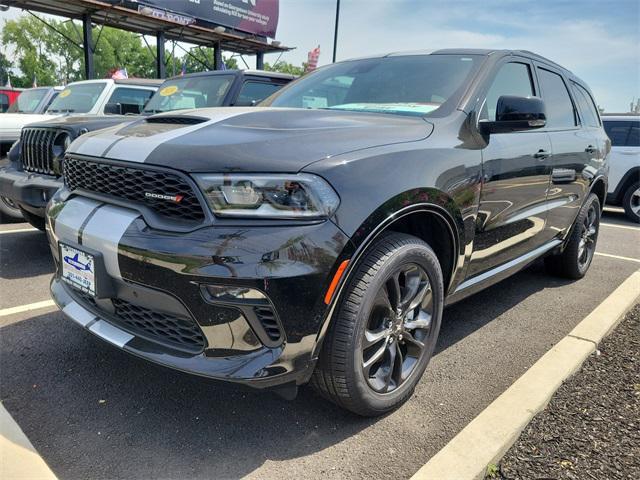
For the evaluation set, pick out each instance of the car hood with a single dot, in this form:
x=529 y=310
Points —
x=253 y=139
x=15 y=121
x=90 y=123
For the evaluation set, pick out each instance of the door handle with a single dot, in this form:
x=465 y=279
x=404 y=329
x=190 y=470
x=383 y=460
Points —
x=541 y=154
x=590 y=149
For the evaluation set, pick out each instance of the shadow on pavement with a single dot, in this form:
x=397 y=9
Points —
x=95 y=412
x=465 y=317
x=24 y=255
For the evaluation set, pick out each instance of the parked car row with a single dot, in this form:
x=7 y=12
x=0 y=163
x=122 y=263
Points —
x=35 y=171
x=316 y=238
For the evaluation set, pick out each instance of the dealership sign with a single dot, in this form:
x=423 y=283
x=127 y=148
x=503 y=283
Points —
x=259 y=17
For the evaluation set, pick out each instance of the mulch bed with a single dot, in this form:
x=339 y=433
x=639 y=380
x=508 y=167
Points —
x=591 y=427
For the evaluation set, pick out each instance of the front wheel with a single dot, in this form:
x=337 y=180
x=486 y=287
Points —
x=9 y=209
x=34 y=220
x=580 y=247
x=631 y=202
x=385 y=329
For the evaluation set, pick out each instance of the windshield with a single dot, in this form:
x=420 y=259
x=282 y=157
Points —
x=190 y=92
x=28 y=101
x=78 y=98
x=403 y=85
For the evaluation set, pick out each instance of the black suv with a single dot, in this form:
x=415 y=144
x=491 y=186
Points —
x=319 y=238
x=35 y=172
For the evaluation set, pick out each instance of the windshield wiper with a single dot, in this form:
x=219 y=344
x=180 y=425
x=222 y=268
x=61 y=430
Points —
x=153 y=111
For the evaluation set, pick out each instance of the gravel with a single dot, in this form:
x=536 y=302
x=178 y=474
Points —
x=591 y=427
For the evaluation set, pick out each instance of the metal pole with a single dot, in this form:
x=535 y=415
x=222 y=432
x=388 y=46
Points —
x=260 y=60
x=89 y=72
x=160 y=68
x=335 y=33
x=217 y=56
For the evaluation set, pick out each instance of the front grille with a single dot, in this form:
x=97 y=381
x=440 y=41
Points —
x=175 y=332
x=136 y=184
x=267 y=318
x=36 y=150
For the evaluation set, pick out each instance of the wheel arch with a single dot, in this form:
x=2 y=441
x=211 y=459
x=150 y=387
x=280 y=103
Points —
x=416 y=219
x=627 y=180
x=599 y=187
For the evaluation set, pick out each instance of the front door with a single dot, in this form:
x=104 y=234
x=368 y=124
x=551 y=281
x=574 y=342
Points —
x=516 y=170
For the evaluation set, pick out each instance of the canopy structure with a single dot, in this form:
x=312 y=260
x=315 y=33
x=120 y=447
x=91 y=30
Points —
x=164 y=25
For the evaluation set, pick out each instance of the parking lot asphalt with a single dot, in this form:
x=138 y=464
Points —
x=92 y=411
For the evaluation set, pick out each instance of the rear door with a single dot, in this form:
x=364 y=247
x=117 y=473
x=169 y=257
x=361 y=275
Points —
x=576 y=152
x=516 y=169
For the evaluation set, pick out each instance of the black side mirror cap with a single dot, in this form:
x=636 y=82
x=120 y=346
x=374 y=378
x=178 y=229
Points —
x=113 y=109
x=515 y=114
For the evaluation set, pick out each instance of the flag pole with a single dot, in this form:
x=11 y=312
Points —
x=335 y=32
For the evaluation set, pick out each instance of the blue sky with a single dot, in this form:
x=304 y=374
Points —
x=599 y=40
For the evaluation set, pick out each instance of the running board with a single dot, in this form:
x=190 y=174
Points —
x=502 y=271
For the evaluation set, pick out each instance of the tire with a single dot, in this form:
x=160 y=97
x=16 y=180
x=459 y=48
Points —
x=631 y=202
x=346 y=373
x=34 y=220
x=9 y=210
x=580 y=246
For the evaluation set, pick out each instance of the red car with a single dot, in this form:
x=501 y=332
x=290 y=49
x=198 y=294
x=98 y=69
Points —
x=7 y=97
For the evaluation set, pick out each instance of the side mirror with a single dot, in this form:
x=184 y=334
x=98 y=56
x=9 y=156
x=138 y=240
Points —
x=113 y=109
x=130 y=109
x=514 y=114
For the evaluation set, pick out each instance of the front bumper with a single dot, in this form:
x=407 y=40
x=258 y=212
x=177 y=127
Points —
x=168 y=272
x=31 y=190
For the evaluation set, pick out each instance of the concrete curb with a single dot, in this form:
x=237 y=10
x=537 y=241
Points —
x=488 y=436
x=18 y=459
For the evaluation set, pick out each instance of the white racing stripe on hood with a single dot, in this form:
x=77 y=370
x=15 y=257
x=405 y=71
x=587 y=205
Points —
x=96 y=143
x=70 y=219
x=104 y=232
x=137 y=148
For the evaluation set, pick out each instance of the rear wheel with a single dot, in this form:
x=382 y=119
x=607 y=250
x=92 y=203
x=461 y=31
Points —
x=8 y=209
x=631 y=202
x=578 y=253
x=34 y=220
x=385 y=329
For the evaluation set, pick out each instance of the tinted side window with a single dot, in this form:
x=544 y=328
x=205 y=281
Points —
x=633 y=140
x=512 y=79
x=623 y=133
x=560 y=111
x=588 y=112
x=131 y=96
x=255 y=91
x=4 y=102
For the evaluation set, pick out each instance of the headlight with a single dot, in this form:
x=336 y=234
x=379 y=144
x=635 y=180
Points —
x=268 y=196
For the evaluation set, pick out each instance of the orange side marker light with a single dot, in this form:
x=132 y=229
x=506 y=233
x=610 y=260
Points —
x=335 y=281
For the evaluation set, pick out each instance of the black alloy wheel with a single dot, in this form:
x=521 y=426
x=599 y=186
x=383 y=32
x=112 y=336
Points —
x=399 y=324
x=588 y=236
x=385 y=327
x=580 y=245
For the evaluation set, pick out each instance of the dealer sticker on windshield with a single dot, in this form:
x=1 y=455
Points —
x=78 y=268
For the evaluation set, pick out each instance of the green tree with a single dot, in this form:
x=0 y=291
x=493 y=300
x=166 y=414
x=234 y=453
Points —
x=5 y=66
x=31 y=44
x=285 y=67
